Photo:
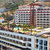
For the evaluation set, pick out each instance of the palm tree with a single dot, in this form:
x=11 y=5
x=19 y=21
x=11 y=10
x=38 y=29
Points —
x=12 y=25
x=32 y=27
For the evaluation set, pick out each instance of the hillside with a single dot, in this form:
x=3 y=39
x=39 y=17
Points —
x=3 y=2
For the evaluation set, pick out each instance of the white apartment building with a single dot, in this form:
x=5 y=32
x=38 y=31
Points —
x=25 y=42
x=39 y=41
x=26 y=14
x=22 y=15
x=43 y=17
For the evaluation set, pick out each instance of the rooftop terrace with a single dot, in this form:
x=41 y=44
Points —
x=38 y=32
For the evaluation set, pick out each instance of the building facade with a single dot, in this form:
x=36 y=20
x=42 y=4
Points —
x=41 y=44
x=43 y=17
x=26 y=14
x=22 y=17
x=25 y=42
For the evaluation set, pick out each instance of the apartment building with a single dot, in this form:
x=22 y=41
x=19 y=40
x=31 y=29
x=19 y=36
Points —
x=25 y=42
x=39 y=41
x=22 y=17
x=43 y=17
x=26 y=14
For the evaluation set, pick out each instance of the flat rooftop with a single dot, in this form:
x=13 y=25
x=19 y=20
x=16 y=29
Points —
x=45 y=32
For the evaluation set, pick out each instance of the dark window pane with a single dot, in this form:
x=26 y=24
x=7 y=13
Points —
x=45 y=48
x=25 y=39
x=41 y=48
x=29 y=39
x=45 y=43
x=17 y=37
x=41 y=42
x=29 y=44
x=36 y=46
x=36 y=40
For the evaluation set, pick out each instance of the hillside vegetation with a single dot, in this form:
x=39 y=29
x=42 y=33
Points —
x=3 y=2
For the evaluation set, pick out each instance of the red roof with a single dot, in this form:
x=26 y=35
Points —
x=1 y=18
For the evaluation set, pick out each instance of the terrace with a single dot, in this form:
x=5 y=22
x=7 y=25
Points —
x=27 y=31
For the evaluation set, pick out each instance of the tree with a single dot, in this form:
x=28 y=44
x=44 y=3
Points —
x=12 y=6
x=12 y=25
x=3 y=15
x=32 y=27
x=25 y=26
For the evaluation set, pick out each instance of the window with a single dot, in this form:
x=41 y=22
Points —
x=10 y=40
x=25 y=39
x=45 y=48
x=8 y=34
x=20 y=42
x=41 y=48
x=36 y=40
x=14 y=41
x=29 y=39
x=24 y=44
x=2 y=37
x=29 y=44
x=5 y=38
x=17 y=37
x=36 y=46
x=11 y=35
x=29 y=49
x=7 y=43
x=17 y=42
x=45 y=43
x=41 y=42
x=3 y=33
x=21 y=38
x=14 y=36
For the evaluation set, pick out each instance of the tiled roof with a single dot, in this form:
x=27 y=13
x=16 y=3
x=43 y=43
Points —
x=1 y=18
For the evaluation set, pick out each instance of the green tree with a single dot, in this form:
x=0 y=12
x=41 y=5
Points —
x=12 y=25
x=32 y=27
x=3 y=15
x=25 y=26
